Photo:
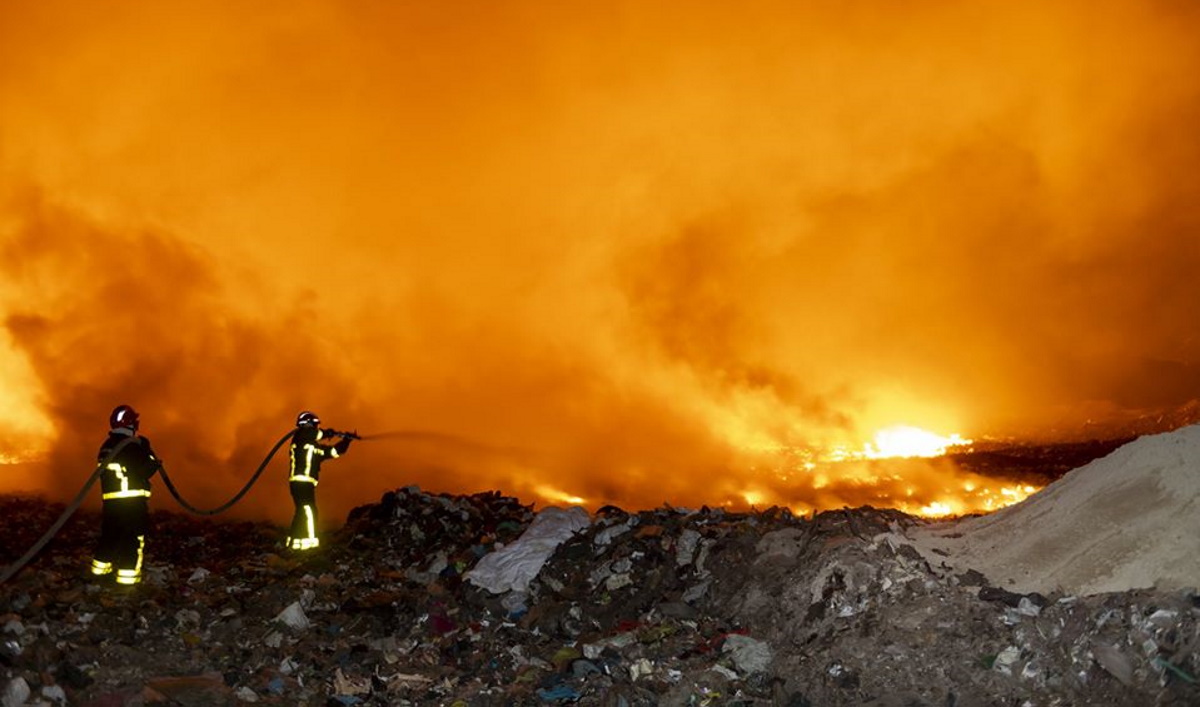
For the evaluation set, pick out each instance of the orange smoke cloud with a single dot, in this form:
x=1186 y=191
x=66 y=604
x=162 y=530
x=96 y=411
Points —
x=610 y=252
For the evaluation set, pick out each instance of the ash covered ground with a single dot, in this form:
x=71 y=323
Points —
x=435 y=599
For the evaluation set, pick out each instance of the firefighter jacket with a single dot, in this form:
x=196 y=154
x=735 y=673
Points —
x=307 y=455
x=128 y=474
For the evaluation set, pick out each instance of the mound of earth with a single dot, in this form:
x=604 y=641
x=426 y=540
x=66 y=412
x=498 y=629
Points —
x=1130 y=520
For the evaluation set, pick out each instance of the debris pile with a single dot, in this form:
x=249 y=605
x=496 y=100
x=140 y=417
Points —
x=437 y=599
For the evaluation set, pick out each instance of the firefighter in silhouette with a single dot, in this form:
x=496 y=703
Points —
x=127 y=464
x=307 y=456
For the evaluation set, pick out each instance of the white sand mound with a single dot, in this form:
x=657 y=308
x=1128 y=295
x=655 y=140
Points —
x=1130 y=520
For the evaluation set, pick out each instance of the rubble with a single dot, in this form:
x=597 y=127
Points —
x=667 y=606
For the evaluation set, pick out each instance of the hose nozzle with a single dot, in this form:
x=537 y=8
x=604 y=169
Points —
x=338 y=433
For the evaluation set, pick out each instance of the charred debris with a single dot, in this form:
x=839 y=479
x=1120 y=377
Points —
x=437 y=599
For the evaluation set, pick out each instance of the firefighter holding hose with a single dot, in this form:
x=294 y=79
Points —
x=307 y=456
x=127 y=464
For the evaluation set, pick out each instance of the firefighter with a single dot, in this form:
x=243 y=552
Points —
x=125 y=492
x=307 y=456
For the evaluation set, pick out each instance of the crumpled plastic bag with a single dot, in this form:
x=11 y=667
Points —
x=514 y=566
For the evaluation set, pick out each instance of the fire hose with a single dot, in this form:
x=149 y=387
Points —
x=258 y=472
x=254 y=478
x=238 y=496
x=73 y=506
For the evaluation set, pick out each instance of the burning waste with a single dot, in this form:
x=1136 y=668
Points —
x=673 y=268
x=1078 y=595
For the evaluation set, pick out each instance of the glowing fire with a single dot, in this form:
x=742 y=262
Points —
x=972 y=495
x=554 y=495
x=973 y=500
x=888 y=472
x=901 y=441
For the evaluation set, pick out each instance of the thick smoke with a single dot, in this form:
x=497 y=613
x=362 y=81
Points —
x=109 y=317
x=612 y=252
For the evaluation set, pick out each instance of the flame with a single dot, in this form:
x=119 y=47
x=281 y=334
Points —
x=937 y=509
x=753 y=498
x=27 y=428
x=973 y=500
x=553 y=495
x=902 y=467
x=902 y=441
x=905 y=441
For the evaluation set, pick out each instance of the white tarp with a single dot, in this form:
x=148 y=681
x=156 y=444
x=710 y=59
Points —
x=514 y=566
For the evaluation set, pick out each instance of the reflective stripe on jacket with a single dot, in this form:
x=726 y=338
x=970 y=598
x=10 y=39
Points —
x=307 y=455
x=128 y=474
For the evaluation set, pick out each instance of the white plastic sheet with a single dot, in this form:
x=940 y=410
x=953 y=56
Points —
x=514 y=566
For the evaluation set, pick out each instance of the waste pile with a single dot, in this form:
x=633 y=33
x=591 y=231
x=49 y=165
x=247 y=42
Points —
x=438 y=599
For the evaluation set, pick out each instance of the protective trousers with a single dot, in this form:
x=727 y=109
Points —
x=122 y=545
x=304 y=521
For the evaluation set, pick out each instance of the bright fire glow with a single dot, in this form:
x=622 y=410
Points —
x=8 y=458
x=554 y=495
x=936 y=510
x=901 y=441
x=903 y=467
x=905 y=441
x=973 y=500
x=616 y=252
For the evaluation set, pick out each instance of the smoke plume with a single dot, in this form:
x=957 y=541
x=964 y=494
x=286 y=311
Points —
x=614 y=253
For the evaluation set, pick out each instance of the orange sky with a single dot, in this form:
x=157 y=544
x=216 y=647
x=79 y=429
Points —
x=603 y=249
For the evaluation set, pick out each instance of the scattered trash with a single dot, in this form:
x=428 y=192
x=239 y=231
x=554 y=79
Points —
x=55 y=694
x=472 y=600
x=748 y=654
x=16 y=692
x=1006 y=660
x=245 y=694
x=1114 y=661
x=294 y=617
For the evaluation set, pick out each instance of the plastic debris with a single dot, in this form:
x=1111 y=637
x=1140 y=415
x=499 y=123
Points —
x=749 y=655
x=294 y=617
x=514 y=566
x=16 y=692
